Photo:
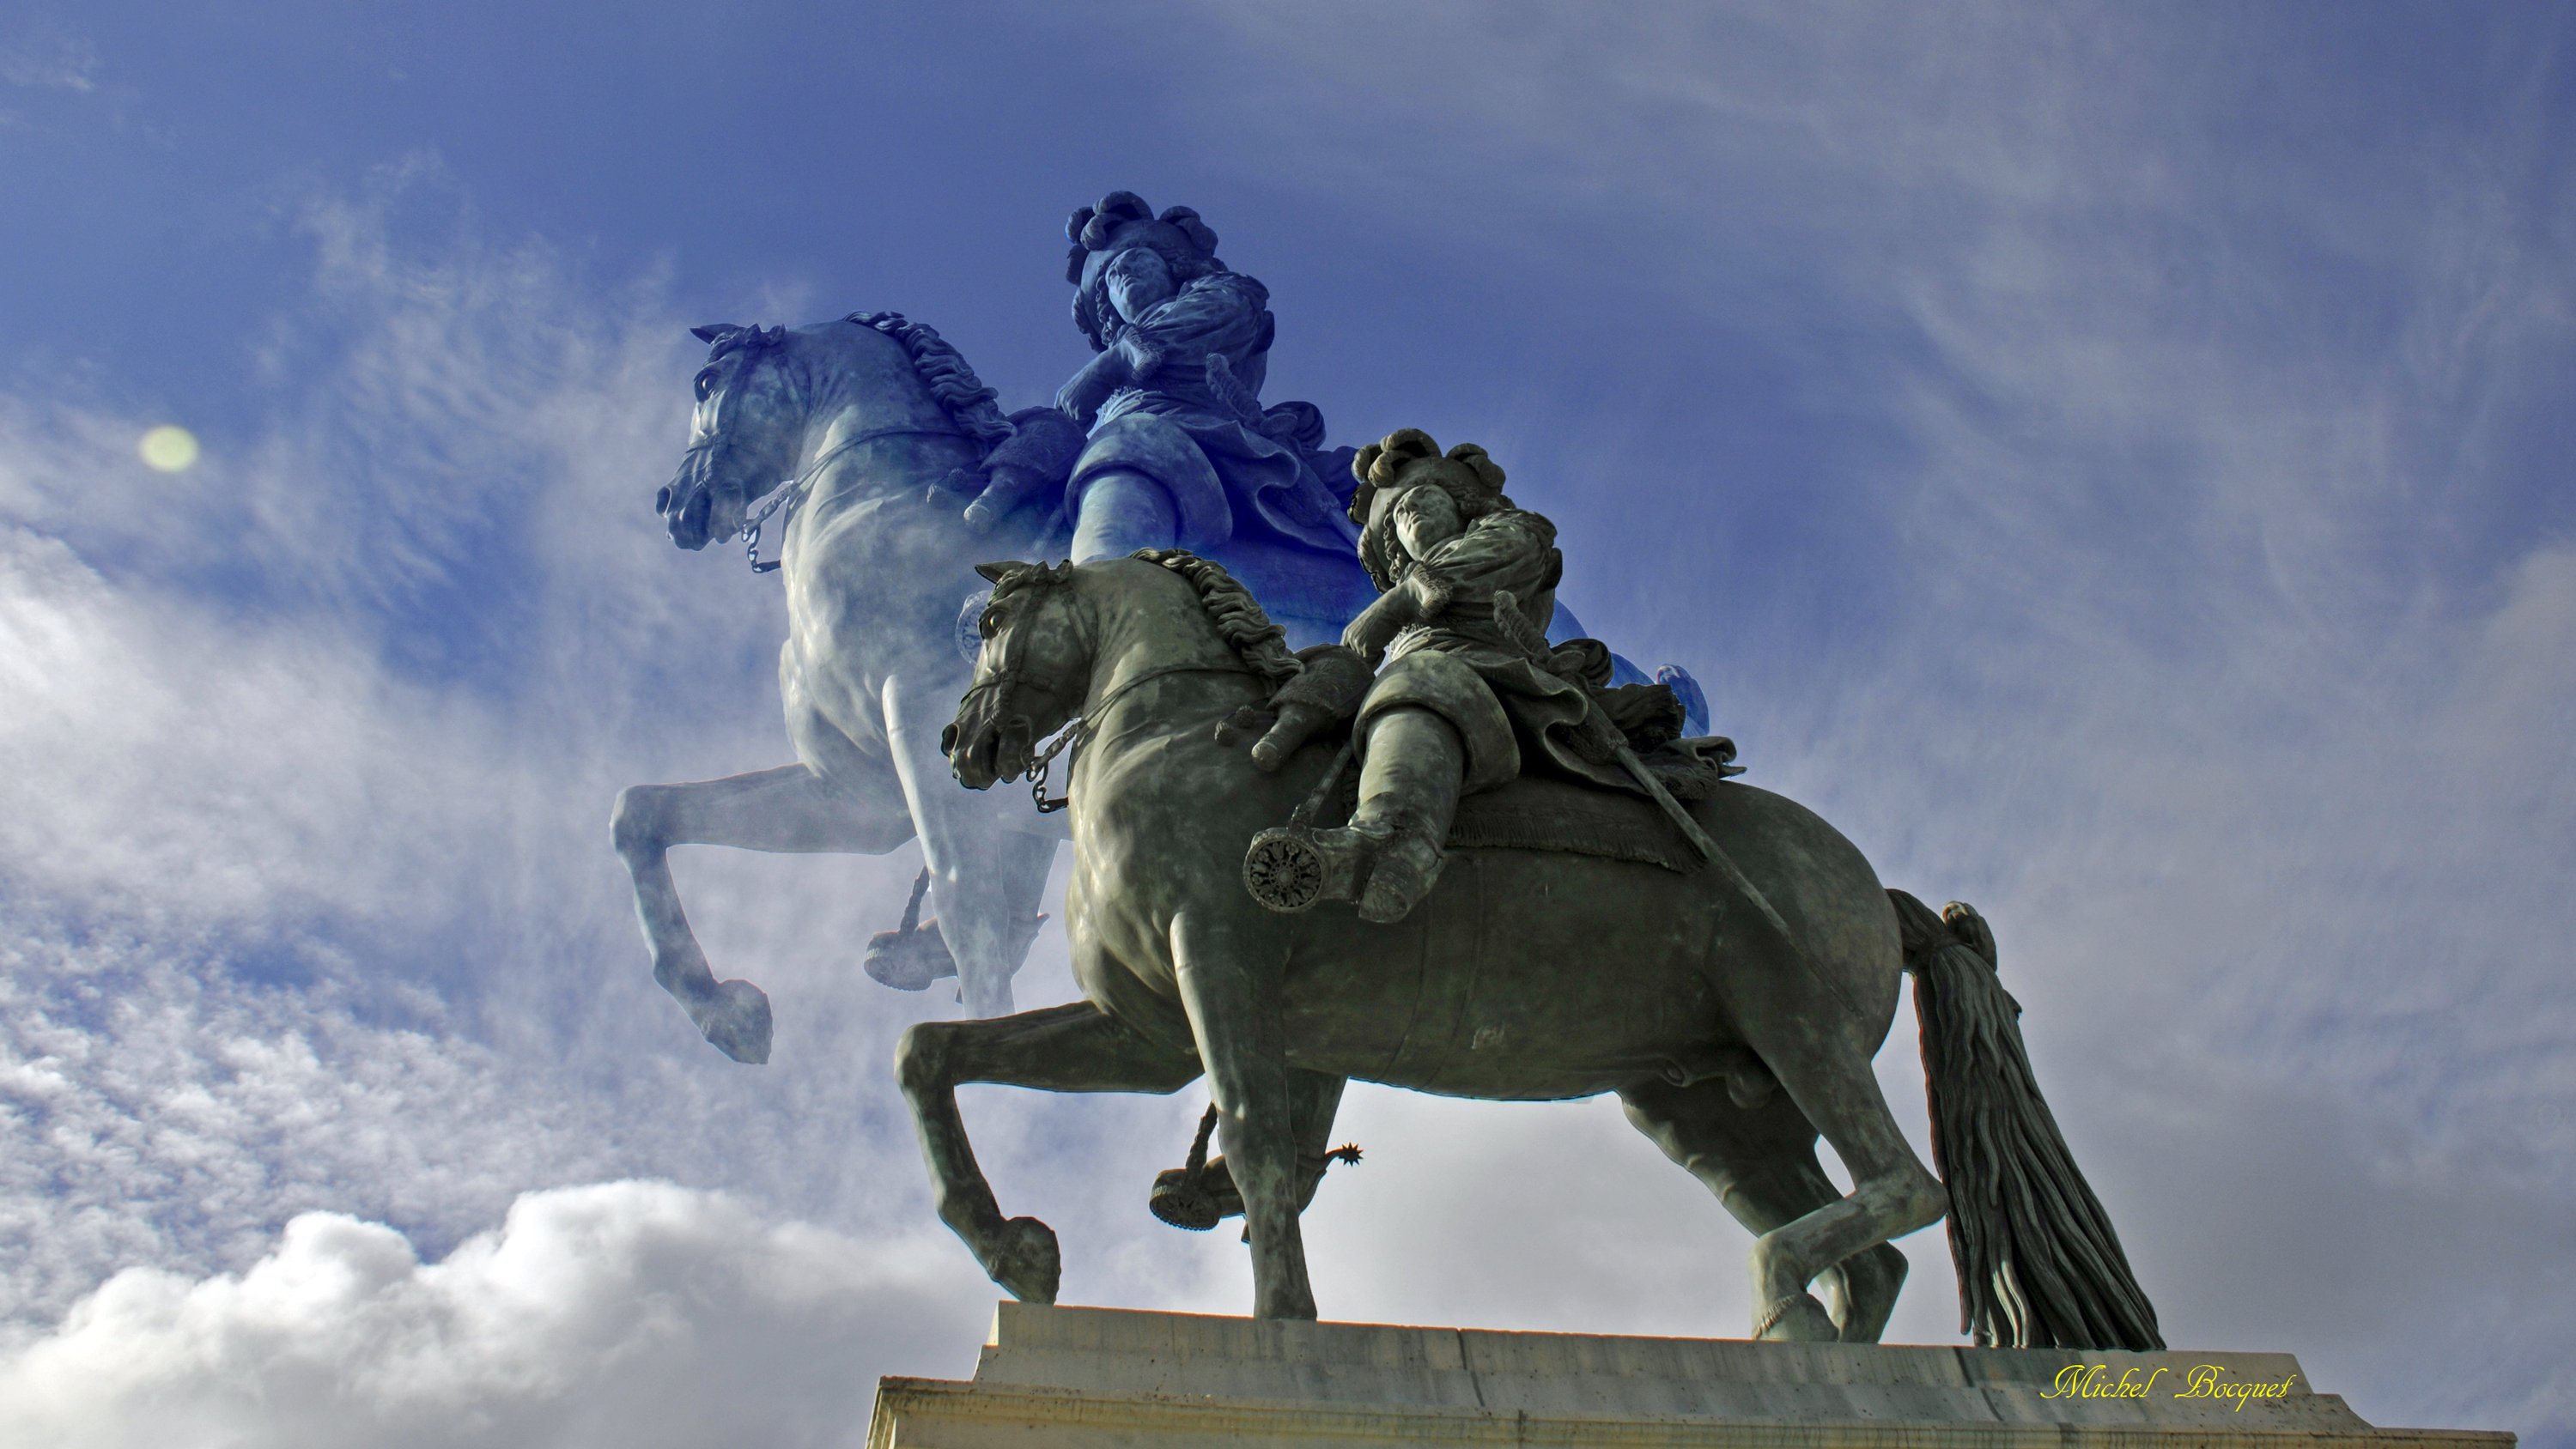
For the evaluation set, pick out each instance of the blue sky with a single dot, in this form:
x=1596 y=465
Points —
x=2109 y=460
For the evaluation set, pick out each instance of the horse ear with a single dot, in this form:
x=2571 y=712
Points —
x=994 y=573
x=713 y=330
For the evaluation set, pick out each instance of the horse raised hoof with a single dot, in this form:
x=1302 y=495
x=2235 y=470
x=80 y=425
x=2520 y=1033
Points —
x=736 y=1020
x=1798 y=1318
x=908 y=960
x=1027 y=1263
x=1195 y=1201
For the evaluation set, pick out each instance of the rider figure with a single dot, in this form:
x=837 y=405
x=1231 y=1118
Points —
x=1181 y=453
x=1469 y=686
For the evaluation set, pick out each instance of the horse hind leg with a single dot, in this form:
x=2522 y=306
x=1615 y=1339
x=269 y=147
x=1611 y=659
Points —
x=1760 y=1161
x=987 y=877
x=1893 y=1193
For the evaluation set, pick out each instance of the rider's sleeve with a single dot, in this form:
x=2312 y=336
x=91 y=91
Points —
x=1220 y=313
x=1507 y=550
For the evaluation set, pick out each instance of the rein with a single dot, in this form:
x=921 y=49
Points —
x=787 y=495
x=1084 y=725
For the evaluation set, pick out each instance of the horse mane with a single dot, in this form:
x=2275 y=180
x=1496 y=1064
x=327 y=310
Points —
x=944 y=371
x=1237 y=615
x=1230 y=606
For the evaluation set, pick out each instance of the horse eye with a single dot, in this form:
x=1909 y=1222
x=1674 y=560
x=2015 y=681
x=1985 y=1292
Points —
x=706 y=384
x=986 y=623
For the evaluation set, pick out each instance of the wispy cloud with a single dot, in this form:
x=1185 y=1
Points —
x=161 y=1110
x=49 y=60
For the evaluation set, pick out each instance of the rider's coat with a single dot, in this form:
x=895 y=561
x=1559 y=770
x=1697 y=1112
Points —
x=1477 y=669
x=1196 y=429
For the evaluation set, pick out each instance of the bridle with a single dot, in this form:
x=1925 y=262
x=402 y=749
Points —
x=752 y=342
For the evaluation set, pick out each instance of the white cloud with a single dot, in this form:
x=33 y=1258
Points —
x=626 y=1314
x=157 y=1110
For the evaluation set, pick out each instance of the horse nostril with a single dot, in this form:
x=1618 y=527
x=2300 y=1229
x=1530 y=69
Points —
x=662 y=500
x=948 y=740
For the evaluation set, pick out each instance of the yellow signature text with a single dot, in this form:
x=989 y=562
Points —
x=2093 y=1381
x=2203 y=1381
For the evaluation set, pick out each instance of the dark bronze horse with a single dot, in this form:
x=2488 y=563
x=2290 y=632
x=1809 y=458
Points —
x=1524 y=976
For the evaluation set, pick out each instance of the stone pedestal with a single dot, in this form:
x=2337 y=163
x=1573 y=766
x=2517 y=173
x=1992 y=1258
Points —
x=1099 y=1377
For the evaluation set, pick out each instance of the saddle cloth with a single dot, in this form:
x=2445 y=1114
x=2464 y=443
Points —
x=1544 y=812
x=1538 y=812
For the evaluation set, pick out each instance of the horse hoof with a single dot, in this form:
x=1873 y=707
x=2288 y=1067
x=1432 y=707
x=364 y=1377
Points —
x=1195 y=1204
x=1028 y=1263
x=1796 y=1319
x=909 y=960
x=737 y=1022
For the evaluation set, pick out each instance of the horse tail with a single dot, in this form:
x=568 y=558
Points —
x=2039 y=1265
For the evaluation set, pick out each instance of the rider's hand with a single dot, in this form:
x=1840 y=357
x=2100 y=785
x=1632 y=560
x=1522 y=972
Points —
x=1368 y=635
x=1010 y=486
x=1430 y=591
x=1298 y=723
x=1075 y=399
x=1137 y=358
x=1083 y=394
x=1368 y=644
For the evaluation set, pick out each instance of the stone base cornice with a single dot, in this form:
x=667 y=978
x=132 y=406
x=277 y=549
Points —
x=1085 y=1377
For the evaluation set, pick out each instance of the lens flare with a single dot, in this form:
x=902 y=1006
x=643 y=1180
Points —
x=169 y=449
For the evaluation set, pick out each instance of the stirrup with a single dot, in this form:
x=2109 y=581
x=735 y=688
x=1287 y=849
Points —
x=1290 y=867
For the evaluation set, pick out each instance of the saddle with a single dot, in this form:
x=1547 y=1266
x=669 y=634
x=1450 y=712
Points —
x=1538 y=811
x=1549 y=813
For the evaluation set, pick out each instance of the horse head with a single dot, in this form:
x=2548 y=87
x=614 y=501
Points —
x=741 y=444
x=1031 y=674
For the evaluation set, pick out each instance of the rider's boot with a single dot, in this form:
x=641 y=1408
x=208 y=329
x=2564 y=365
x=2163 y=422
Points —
x=1120 y=512
x=1389 y=856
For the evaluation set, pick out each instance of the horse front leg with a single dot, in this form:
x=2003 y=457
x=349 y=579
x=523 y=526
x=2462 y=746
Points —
x=1071 y=1048
x=1229 y=972
x=787 y=810
x=987 y=870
